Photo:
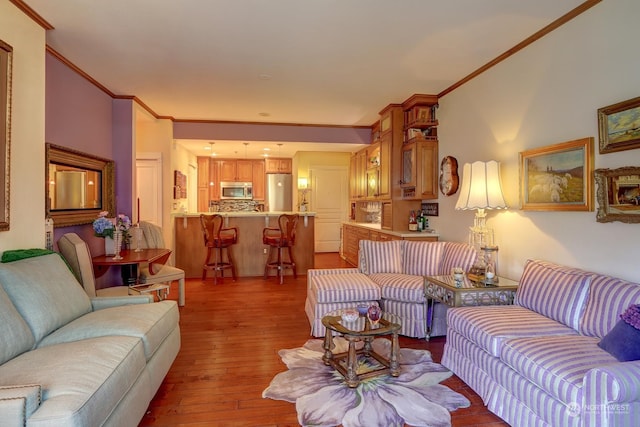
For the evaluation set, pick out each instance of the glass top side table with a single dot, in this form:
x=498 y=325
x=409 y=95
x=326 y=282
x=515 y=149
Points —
x=446 y=290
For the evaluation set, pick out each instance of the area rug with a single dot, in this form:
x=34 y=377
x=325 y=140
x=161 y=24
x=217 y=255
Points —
x=323 y=399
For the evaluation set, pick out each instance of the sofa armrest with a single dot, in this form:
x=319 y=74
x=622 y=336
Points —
x=609 y=392
x=99 y=303
x=18 y=402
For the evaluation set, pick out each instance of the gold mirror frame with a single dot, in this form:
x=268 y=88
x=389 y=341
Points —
x=6 y=57
x=78 y=159
x=608 y=194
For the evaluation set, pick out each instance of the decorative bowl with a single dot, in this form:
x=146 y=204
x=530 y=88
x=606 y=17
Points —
x=362 y=309
x=350 y=315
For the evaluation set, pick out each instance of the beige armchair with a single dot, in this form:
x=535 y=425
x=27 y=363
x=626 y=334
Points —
x=152 y=238
x=76 y=252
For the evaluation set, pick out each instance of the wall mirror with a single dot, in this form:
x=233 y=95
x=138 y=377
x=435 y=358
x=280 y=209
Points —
x=79 y=186
x=6 y=57
x=618 y=194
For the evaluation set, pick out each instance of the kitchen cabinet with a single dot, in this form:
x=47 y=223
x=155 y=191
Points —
x=353 y=234
x=258 y=179
x=420 y=170
x=203 y=184
x=235 y=170
x=357 y=175
x=419 y=167
x=276 y=165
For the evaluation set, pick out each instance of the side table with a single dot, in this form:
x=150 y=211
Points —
x=446 y=290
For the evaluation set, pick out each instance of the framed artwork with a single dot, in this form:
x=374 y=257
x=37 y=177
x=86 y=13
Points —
x=6 y=57
x=619 y=126
x=618 y=194
x=558 y=177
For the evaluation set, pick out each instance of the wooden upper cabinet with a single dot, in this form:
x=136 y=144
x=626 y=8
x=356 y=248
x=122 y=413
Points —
x=235 y=170
x=227 y=170
x=203 y=172
x=244 y=170
x=385 y=167
x=275 y=165
x=419 y=170
x=258 y=179
x=214 y=180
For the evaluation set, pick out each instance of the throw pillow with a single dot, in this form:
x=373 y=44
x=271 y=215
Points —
x=623 y=341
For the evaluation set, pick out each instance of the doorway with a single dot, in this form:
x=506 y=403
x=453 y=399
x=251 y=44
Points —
x=149 y=187
x=329 y=199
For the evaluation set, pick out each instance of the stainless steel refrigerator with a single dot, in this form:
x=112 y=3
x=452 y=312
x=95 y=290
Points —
x=279 y=187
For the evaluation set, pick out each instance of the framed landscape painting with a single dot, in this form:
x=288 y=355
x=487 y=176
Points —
x=558 y=177
x=619 y=126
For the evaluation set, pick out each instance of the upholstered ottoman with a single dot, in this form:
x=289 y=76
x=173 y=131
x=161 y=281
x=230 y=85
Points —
x=333 y=289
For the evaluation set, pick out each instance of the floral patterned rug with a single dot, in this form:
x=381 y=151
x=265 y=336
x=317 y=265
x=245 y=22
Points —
x=323 y=399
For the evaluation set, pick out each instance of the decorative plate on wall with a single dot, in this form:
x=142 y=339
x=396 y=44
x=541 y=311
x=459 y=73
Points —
x=449 y=176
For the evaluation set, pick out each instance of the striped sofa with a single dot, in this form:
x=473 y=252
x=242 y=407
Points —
x=537 y=362
x=390 y=274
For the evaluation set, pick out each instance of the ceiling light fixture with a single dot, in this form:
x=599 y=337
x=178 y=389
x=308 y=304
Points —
x=245 y=149
x=211 y=148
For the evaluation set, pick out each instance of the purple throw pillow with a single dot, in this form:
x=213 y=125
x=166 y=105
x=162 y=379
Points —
x=623 y=341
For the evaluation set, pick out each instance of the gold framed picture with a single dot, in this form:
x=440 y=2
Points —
x=558 y=177
x=619 y=126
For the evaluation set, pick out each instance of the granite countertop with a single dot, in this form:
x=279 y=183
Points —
x=375 y=226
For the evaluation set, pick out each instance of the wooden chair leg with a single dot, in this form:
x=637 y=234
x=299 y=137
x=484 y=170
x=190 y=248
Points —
x=231 y=262
x=280 y=265
x=293 y=263
x=206 y=264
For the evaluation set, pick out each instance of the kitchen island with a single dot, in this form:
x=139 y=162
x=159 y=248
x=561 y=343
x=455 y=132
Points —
x=250 y=254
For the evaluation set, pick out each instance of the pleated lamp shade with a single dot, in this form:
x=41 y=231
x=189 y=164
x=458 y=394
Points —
x=481 y=187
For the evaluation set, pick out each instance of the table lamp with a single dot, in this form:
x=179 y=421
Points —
x=303 y=186
x=481 y=190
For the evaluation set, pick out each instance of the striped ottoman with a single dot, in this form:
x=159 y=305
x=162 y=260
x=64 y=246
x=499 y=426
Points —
x=333 y=289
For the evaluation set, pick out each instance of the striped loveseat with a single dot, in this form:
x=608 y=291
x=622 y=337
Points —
x=390 y=274
x=537 y=362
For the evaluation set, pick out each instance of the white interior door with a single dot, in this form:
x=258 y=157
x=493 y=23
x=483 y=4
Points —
x=149 y=187
x=329 y=199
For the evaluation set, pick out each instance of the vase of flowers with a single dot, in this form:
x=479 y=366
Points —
x=123 y=224
x=106 y=227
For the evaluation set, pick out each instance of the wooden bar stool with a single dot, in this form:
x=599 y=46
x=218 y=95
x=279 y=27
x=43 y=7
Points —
x=278 y=239
x=217 y=239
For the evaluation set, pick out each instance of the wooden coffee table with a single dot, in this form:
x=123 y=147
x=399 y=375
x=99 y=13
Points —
x=361 y=330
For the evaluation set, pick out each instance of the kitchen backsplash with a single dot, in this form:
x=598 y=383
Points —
x=236 y=206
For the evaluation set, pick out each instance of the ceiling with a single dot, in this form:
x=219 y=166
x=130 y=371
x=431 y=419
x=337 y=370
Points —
x=323 y=62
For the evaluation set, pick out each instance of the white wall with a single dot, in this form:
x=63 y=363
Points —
x=546 y=94
x=26 y=217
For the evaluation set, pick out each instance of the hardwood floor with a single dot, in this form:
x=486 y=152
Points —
x=231 y=333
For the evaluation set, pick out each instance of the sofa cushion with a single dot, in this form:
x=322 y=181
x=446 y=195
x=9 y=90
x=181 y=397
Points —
x=623 y=341
x=457 y=255
x=343 y=288
x=557 y=364
x=400 y=287
x=150 y=322
x=555 y=291
x=422 y=258
x=82 y=381
x=380 y=257
x=45 y=293
x=15 y=335
x=490 y=326
x=608 y=299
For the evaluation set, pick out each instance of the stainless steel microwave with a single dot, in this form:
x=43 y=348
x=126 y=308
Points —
x=236 y=190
